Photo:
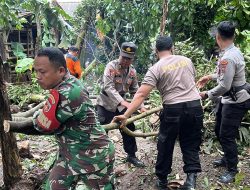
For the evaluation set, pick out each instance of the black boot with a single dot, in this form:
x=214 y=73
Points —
x=135 y=161
x=220 y=163
x=228 y=177
x=162 y=184
x=190 y=182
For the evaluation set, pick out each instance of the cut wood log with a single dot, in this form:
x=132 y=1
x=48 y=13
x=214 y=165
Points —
x=28 y=113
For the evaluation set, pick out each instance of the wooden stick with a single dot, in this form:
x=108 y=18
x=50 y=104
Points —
x=112 y=126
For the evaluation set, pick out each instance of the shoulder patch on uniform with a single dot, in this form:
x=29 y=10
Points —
x=132 y=73
x=112 y=72
x=222 y=66
x=47 y=118
x=223 y=62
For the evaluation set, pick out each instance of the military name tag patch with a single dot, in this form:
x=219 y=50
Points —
x=43 y=121
x=47 y=118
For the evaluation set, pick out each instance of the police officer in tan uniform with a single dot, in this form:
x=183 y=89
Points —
x=120 y=78
x=174 y=77
x=235 y=101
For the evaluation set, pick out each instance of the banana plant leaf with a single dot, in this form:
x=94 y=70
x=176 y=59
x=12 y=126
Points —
x=24 y=64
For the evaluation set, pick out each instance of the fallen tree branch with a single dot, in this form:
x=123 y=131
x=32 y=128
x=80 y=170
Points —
x=91 y=66
x=112 y=126
x=25 y=127
x=37 y=98
x=212 y=122
x=21 y=124
x=18 y=119
x=30 y=112
x=207 y=104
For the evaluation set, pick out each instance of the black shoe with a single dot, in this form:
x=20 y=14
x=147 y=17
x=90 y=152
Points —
x=190 y=182
x=162 y=184
x=228 y=177
x=220 y=163
x=135 y=161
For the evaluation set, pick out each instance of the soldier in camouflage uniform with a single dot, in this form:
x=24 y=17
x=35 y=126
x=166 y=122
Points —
x=85 y=151
x=118 y=79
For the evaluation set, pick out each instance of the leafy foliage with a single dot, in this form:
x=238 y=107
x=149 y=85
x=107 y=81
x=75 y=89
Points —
x=50 y=17
x=239 y=12
x=244 y=134
x=123 y=21
x=194 y=21
x=21 y=94
x=18 y=50
x=202 y=65
x=9 y=14
x=24 y=64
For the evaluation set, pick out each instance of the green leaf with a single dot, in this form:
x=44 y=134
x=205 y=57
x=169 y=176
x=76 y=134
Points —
x=239 y=178
x=18 y=49
x=24 y=64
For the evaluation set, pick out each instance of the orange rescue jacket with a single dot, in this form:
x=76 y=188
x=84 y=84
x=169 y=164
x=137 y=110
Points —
x=74 y=66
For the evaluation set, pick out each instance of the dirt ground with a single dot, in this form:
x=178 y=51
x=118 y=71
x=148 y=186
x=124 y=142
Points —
x=131 y=178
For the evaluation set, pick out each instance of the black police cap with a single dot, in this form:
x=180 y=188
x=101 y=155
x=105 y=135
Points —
x=128 y=49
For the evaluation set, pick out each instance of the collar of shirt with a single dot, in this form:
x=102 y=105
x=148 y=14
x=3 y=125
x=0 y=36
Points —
x=226 y=49
x=66 y=77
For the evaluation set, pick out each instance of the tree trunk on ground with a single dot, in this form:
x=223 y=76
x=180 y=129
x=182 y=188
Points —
x=12 y=169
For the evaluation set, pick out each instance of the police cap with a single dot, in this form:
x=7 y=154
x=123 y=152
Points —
x=128 y=49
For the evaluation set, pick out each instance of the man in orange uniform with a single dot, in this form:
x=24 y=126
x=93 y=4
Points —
x=73 y=63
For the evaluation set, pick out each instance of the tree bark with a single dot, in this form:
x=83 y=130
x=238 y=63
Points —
x=30 y=112
x=164 y=15
x=12 y=169
x=39 y=28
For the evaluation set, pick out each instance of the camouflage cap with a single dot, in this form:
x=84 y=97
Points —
x=128 y=49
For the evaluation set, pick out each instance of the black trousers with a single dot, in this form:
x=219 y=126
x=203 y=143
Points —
x=228 y=119
x=129 y=142
x=184 y=120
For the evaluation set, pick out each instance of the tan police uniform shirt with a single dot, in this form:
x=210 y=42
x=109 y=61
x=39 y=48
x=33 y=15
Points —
x=174 y=77
x=116 y=83
x=230 y=73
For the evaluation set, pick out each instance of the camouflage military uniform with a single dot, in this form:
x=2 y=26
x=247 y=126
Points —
x=85 y=151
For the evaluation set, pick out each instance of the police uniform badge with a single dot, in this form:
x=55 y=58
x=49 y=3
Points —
x=222 y=65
